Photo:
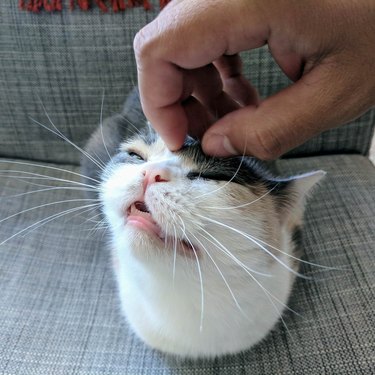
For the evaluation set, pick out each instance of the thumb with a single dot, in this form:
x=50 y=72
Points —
x=320 y=100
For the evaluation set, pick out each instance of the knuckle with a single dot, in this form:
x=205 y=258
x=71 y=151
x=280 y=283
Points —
x=139 y=43
x=144 y=42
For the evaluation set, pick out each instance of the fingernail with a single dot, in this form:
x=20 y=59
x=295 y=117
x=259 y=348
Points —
x=228 y=146
x=220 y=145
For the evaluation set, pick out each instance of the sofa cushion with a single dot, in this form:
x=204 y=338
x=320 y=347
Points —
x=64 y=61
x=59 y=308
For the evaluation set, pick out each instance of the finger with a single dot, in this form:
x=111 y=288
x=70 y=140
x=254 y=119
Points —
x=179 y=38
x=161 y=102
x=199 y=118
x=207 y=87
x=320 y=100
x=235 y=84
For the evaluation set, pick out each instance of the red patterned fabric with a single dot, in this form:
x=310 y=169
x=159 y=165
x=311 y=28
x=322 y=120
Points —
x=105 y=5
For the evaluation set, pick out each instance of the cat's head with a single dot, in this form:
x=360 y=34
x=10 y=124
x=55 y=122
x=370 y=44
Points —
x=185 y=204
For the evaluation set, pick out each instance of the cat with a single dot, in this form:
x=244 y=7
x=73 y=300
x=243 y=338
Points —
x=204 y=249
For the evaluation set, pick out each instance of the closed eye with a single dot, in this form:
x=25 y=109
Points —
x=135 y=155
x=207 y=175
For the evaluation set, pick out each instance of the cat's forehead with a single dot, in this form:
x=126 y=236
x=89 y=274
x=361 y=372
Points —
x=141 y=145
x=154 y=149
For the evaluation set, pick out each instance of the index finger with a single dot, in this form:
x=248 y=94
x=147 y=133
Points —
x=161 y=94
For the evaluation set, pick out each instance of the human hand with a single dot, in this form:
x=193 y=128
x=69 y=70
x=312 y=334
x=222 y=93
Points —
x=190 y=76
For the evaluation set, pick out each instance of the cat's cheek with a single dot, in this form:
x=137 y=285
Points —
x=122 y=187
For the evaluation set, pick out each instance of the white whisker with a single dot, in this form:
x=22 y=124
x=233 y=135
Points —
x=91 y=219
x=244 y=204
x=27 y=180
x=257 y=243
x=226 y=251
x=59 y=134
x=293 y=257
x=174 y=252
x=47 y=204
x=226 y=183
x=35 y=176
x=45 y=189
x=99 y=225
x=101 y=125
x=48 y=167
x=58 y=215
x=220 y=273
x=135 y=130
x=249 y=272
x=269 y=296
x=201 y=283
x=32 y=225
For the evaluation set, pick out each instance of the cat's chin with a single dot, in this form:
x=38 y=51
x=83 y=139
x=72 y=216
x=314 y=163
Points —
x=146 y=233
x=143 y=241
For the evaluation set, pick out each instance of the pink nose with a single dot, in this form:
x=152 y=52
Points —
x=153 y=175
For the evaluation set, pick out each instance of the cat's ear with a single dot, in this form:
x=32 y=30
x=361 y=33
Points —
x=302 y=185
x=293 y=196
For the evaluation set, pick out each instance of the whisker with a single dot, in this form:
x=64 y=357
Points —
x=45 y=189
x=56 y=216
x=221 y=274
x=30 y=226
x=101 y=125
x=62 y=136
x=49 y=167
x=293 y=257
x=135 y=130
x=183 y=231
x=94 y=207
x=257 y=243
x=91 y=219
x=244 y=204
x=25 y=175
x=98 y=227
x=201 y=282
x=165 y=238
x=37 y=176
x=267 y=292
x=226 y=183
x=47 y=204
x=101 y=224
x=174 y=252
x=226 y=251
x=96 y=157
x=26 y=180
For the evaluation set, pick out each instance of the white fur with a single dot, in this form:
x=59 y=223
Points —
x=161 y=292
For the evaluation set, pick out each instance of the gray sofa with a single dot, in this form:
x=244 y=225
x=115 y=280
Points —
x=59 y=312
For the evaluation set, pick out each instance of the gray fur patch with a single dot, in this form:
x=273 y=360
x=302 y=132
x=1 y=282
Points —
x=297 y=239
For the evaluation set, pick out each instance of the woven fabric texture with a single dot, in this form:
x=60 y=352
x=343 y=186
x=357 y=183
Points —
x=62 y=63
x=58 y=301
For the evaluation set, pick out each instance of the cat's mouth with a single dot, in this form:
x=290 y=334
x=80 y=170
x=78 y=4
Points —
x=139 y=216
